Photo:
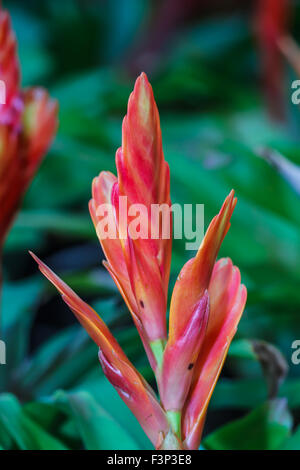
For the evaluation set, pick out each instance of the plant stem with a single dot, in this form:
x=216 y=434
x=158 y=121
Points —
x=174 y=418
x=158 y=347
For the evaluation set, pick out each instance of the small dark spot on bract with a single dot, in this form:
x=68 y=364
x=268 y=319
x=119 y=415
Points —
x=141 y=303
x=191 y=365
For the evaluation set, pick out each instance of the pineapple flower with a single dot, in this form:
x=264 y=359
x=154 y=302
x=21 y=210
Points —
x=207 y=301
x=27 y=125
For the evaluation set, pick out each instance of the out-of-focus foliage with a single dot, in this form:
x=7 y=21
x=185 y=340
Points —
x=213 y=122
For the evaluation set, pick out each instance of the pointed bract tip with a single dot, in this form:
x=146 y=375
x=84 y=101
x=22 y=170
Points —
x=48 y=273
x=143 y=75
x=141 y=83
x=140 y=100
x=143 y=78
x=36 y=258
x=230 y=198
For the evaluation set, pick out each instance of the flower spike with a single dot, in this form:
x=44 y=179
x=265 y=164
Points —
x=140 y=267
x=206 y=304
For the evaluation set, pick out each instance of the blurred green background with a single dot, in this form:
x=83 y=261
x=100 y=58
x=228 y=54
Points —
x=202 y=61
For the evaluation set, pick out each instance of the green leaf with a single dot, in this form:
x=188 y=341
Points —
x=266 y=427
x=247 y=393
x=242 y=348
x=60 y=362
x=293 y=442
x=96 y=427
x=96 y=384
x=18 y=297
x=55 y=222
x=26 y=434
x=17 y=316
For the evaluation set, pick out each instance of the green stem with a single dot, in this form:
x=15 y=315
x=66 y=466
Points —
x=158 y=347
x=174 y=418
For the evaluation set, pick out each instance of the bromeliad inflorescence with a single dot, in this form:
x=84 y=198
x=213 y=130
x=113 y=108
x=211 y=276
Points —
x=28 y=121
x=206 y=304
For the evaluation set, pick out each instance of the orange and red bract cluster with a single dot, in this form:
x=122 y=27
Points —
x=28 y=121
x=206 y=304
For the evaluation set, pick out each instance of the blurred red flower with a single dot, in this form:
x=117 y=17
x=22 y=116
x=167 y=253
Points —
x=28 y=121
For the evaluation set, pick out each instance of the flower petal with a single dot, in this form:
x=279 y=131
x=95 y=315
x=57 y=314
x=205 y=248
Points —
x=102 y=190
x=180 y=357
